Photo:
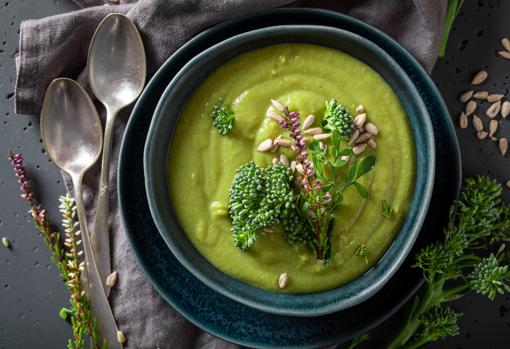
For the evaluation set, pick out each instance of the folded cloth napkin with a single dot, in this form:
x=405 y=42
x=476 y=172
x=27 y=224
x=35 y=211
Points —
x=57 y=46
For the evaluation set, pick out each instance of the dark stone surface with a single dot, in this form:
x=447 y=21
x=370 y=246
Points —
x=30 y=290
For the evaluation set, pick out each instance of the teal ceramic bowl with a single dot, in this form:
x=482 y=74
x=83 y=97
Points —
x=159 y=139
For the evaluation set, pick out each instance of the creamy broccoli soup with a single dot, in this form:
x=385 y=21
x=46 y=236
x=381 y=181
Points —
x=230 y=120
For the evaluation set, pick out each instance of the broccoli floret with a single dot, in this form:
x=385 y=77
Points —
x=296 y=229
x=489 y=278
x=438 y=322
x=336 y=117
x=259 y=197
x=223 y=118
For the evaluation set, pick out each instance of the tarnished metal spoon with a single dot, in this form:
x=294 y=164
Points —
x=116 y=70
x=72 y=134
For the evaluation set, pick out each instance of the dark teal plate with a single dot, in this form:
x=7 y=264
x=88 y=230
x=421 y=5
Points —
x=222 y=316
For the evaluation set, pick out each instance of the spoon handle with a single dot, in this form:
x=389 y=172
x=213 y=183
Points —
x=100 y=229
x=98 y=301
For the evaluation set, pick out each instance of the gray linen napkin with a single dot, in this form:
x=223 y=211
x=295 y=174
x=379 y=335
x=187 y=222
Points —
x=57 y=46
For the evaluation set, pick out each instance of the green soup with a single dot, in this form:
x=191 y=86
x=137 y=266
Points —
x=202 y=163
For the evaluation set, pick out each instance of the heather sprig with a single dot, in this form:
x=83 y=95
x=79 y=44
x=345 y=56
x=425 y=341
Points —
x=66 y=255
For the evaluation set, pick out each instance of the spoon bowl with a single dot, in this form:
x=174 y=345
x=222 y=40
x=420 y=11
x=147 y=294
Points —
x=116 y=61
x=72 y=142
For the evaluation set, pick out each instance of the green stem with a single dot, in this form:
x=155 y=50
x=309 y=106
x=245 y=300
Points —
x=453 y=293
x=451 y=13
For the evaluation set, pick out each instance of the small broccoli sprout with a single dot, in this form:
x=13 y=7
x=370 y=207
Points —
x=489 y=278
x=259 y=198
x=438 y=322
x=223 y=118
x=336 y=117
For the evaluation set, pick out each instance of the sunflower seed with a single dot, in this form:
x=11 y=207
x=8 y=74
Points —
x=493 y=110
x=265 y=145
x=282 y=142
x=360 y=120
x=293 y=165
x=479 y=77
x=477 y=123
x=322 y=145
x=482 y=134
x=466 y=96
x=504 y=54
x=372 y=128
x=508 y=184
x=282 y=280
x=313 y=131
x=505 y=109
x=300 y=168
x=284 y=160
x=494 y=97
x=364 y=137
x=493 y=127
x=111 y=280
x=470 y=107
x=360 y=148
x=354 y=136
x=275 y=117
x=506 y=43
x=308 y=121
x=278 y=105
x=360 y=109
x=463 y=120
x=481 y=95
x=503 y=146
x=121 y=337
x=372 y=144
x=322 y=136
x=274 y=148
x=275 y=161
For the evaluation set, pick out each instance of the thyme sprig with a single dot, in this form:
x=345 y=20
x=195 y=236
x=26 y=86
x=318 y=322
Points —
x=66 y=255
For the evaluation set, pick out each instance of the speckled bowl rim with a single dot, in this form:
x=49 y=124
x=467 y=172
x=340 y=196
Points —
x=312 y=304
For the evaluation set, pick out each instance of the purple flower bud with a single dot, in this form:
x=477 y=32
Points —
x=304 y=154
x=318 y=185
x=293 y=114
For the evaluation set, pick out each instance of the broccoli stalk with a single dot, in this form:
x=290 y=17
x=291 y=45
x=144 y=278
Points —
x=479 y=222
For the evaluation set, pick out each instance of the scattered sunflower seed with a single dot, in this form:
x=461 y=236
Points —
x=494 y=97
x=282 y=142
x=372 y=129
x=111 y=280
x=470 y=108
x=493 y=127
x=372 y=143
x=463 y=120
x=308 y=121
x=354 y=136
x=322 y=136
x=284 y=160
x=508 y=184
x=477 y=123
x=482 y=134
x=363 y=138
x=121 y=337
x=481 y=95
x=504 y=54
x=360 y=120
x=282 y=280
x=293 y=165
x=322 y=145
x=300 y=168
x=493 y=110
x=479 y=77
x=360 y=148
x=360 y=109
x=505 y=109
x=275 y=117
x=313 y=131
x=505 y=42
x=265 y=145
x=275 y=161
x=503 y=146
x=466 y=96
x=6 y=242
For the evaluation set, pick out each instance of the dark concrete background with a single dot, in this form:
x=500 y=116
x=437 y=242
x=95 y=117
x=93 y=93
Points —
x=30 y=290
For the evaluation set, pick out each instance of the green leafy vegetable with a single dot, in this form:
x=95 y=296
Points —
x=464 y=261
x=259 y=197
x=386 y=210
x=362 y=252
x=336 y=117
x=223 y=118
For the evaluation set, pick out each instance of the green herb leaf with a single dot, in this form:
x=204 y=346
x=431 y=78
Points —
x=387 y=211
x=361 y=190
x=362 y=251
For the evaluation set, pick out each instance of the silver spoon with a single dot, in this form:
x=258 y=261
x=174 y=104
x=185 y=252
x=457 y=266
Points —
x=116 y=70
x=72 y=134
